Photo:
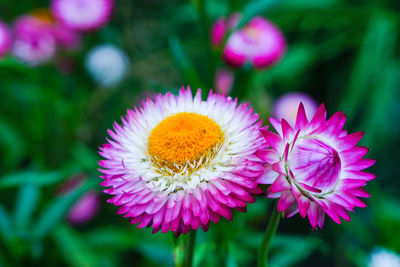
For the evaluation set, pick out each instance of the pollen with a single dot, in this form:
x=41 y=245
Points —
x=183 y=137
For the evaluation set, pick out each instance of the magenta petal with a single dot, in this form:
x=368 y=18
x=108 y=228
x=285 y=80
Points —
x=280 y=184
x=313 y=214
x=279 y=167
x=349 y=141
x=285 y=201
x=286 y=130
x=301 y=120
x=303 y=203
x=273 y=140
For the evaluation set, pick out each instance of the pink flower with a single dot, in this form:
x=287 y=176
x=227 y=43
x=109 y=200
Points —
x=286 y=106
x=65 y=37
x=83 y=15
x=34 y=42
x=260 y=43
x=315 y=167
x=180 y=162
x=223 y=81
x=86 y=207
x=5 y=39
x=218 y=31
x=221 y=27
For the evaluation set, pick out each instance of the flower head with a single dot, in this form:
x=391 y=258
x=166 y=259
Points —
x=83 y=15
x=179 y=161
x=5 y=39
x=34 y=42
x=381 y=257
x=315 y=167
x=286 y=106
x=107 y=64
x=260 y=43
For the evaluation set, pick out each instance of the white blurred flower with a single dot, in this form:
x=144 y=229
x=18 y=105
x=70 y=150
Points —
x=381 y=257
x=107 y=64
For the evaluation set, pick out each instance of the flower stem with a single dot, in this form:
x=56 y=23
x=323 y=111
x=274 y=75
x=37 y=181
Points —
x=190 y=248
x=184 y=250
x=269 y=233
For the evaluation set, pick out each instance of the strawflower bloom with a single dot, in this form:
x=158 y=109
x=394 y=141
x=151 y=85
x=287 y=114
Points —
x=34 y=43
x=180 y=162
x=382 y=257
x=83 y=15
x=259 y=42
x=107 y=64
x=315 y=167
x=5 y=39
x=286 y=106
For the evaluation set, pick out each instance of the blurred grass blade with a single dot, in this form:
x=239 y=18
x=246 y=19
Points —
x=73 y=248
x=26 y=201
x=31 y=177
x=6 y=230
x=56 y=210
x=376 y=51
x=254 y=8
x=185 y=64
x=377 y=119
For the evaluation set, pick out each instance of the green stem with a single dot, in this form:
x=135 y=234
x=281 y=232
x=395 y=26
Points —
x=184 y=250
x=269 y=233
x=190 y=248
x=206 y=25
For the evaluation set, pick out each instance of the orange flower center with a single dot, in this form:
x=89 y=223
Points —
x=44 y=15
x=183 y=137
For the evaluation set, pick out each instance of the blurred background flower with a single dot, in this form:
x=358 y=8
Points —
x=107 y=64
x=5 y=39
x=83 y=15
x=286 y=106
x=381 y=257
x=260 y=43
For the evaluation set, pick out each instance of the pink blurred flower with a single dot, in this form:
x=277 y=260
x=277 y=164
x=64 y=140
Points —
x=84 y=208
x=223 y=81
x=34 y=42
x=286 y=106
x=65 y=37
x=315 y=167
x=260 y=43
x=218 y=31
x=83 y=15
x=5 y=39
x=222 y=26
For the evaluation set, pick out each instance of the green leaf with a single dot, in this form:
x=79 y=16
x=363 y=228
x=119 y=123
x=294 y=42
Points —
x=289 y=250
x=31 y=177
x=376 y=52
x=74 y=249
x=56 y=210
x=184 y=63
x=6 y=230
x=26 y=201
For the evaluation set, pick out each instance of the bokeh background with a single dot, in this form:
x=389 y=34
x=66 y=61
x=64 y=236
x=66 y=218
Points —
x=53 y=117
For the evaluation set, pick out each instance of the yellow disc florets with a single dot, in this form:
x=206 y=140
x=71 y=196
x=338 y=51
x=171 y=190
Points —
x=183 y=138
